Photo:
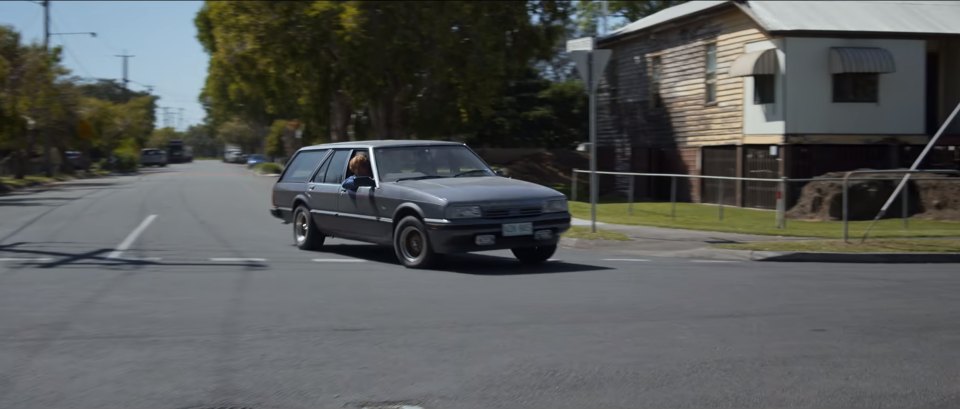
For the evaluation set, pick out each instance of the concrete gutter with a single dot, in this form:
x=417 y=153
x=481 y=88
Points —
x=893 y=258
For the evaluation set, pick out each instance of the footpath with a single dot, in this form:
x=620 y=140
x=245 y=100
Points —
x=680 y=243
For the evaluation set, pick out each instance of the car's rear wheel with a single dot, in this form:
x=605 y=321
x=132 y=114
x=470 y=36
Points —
x=411 y=244
x=305 y=232
x=534 y=255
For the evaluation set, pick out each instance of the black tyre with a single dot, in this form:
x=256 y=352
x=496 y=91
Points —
x=534 y=255
x=412 y=245
x=305 y=232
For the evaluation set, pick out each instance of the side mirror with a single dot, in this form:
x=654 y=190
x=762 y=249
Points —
x=362 y=181
x=499 y=172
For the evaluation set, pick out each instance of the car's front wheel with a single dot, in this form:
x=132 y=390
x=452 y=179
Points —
x=534 y=255
x=305 y=232
x=411 y=244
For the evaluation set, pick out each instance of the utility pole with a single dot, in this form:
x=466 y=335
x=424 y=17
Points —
x=126 y=82
x=180 y=120
x=47 y=165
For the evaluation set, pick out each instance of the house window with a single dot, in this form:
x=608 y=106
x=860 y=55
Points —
x=711 y=77
x=763 y=89
x=656 y=70
x=855 y=87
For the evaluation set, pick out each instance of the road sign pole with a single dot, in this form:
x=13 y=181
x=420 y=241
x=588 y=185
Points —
x=590 y=63
x=594 y=188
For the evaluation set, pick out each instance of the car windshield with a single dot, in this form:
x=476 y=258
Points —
x=422 y=162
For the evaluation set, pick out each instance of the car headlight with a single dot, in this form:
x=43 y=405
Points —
x=463 y=212
x=555 y=205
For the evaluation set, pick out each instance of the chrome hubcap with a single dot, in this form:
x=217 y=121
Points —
x=300 y=226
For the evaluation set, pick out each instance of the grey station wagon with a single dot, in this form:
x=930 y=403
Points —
x=425 y=198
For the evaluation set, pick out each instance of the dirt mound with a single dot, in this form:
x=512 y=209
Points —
x=823 y=200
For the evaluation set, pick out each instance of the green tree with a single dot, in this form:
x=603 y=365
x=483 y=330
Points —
x=161 y=137
x=237 y=132
x=202 y=139
x=589 y=12
x=275 y=148
x=370 y=68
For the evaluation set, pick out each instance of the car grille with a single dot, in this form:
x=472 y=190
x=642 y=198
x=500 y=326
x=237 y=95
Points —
x=497 y=213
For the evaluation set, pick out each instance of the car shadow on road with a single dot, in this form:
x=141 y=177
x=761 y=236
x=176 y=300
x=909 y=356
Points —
x=468 y=263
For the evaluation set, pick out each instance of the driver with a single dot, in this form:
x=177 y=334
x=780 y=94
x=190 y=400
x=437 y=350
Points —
x=360 y=167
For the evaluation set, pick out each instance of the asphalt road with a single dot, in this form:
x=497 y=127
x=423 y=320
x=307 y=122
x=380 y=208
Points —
x=212 y=305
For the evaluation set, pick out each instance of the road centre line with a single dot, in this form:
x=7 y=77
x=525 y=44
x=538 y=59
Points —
x=338 y=260
x=132 y=237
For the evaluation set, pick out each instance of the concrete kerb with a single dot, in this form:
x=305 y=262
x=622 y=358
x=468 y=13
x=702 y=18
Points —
x=683 y=243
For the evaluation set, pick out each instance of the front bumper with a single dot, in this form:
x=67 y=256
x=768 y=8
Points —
x=459 y=236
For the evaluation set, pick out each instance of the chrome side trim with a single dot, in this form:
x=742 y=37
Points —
x=357 y=216
x=437 y=221
x=323 y=212
x=285 y=208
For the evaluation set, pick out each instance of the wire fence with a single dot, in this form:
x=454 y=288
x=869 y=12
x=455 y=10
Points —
x=831 y=207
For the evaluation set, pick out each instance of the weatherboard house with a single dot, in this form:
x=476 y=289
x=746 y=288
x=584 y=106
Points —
x=767 y=89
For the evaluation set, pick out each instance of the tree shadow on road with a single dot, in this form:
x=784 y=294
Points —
x=468 y=263
x=33 y=255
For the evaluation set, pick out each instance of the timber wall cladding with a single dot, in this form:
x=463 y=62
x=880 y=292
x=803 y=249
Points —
x=624 y=108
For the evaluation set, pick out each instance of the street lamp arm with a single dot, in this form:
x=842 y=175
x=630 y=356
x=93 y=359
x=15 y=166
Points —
x=92 y=34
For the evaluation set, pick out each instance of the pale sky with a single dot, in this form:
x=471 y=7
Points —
x=160 y=34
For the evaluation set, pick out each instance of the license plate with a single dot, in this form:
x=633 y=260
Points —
x=517 y=229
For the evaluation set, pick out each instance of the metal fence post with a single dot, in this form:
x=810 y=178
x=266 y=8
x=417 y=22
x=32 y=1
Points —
x=846 y=228
x=573 y=186
x=781 y=203
x=720 y=199
x=630 y=205
x=673 y=197
x=904 y=213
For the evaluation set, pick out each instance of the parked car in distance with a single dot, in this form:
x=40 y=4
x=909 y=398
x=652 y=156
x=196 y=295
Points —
x=425 y=198
x=153 y=157
x=233 y=156
x=77 y=160
x=254 y=159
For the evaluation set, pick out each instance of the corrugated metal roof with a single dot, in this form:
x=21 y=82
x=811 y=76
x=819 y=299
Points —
x=903 y=17
x=663 y=16
x=933 y=17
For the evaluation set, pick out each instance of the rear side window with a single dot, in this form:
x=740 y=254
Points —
x=338 y=166
x=302 y=166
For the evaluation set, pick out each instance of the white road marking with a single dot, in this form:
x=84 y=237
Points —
x=26 y=259
x=237 y=259
x=638 y=260
x=127 y=242
x=338 y=260
x=713 y=261
x=553 y=259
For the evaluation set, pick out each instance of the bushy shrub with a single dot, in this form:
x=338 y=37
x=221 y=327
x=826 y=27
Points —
x=268 y=168
x=126 y=158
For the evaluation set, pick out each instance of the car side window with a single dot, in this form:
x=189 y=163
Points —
x=318 y=178
x=302 y=166
x=337 y=168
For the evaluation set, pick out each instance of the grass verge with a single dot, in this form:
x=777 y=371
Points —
x=268 y=168
x=752 y=221
x=838 y=246
x=579 y=232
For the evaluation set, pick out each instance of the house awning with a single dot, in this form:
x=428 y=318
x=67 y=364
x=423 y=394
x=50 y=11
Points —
x=861 y=60
x=763 y=62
